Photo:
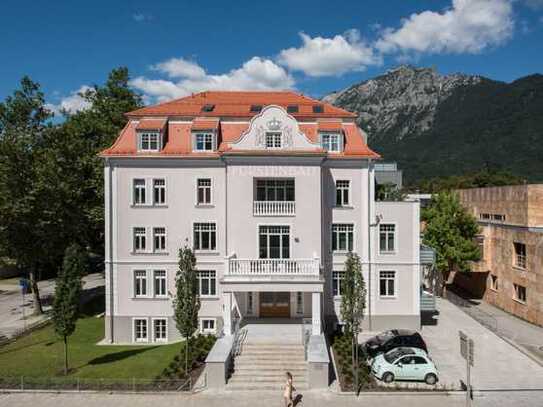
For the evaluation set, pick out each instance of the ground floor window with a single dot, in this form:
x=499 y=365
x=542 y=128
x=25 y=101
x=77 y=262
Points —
x=299 y=303
x=207 y=326
x=337 y=281
x=494 y=284
x=250 y=303
x=519 y=293
x=387 y=283
x=160 y=330
x=140 y=330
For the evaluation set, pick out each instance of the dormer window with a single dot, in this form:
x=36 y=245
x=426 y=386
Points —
x=149 y=141
x=204 y=141
x=332 y=142
x=273 y=140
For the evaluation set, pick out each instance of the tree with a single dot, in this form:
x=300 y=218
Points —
x=353 y=303
x=450 y=231
x=67 y=295
x=186 y=303
x=26 y=232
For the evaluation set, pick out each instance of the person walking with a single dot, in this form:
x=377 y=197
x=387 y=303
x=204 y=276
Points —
x=289 y=388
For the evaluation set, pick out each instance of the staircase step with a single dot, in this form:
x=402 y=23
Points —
x=280 y=374
x=263 y=386
x=269 y=362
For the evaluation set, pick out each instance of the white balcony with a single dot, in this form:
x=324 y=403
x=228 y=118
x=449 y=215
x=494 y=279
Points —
x=273 y=267
x=274 y=208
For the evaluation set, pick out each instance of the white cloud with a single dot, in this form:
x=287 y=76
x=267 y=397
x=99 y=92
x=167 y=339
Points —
x=72 y=103
x=320 y=56
x=255 y=74
x=469 y=26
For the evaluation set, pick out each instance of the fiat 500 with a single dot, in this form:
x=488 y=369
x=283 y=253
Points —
x=404 y=364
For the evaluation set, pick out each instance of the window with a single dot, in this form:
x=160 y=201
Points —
x=419 y=360
x=207 y=283
x=208 y=108
x=519 y=259
x=386 y=238
x=299 y=303
x=204 y=141
x=139 y=240
x=275 y=190
x=160 y=283
x=387 y=283
x=273 y=140
x=159 y=239
x=250 y=303
x=208 y=326
x=342 y=192
x=274 y=242
x=520 y=293
x=495 y=217
x=140 y=283
x=205 y=237
x=292 y=109
x=318 y=109
x=331 y=142
x=203 y=194
x=342 y=237
x=256 y=108
x=494 y=283
x=139 y=192
x=140 y=330
x=337 y=282
x=149 y=141
x=480 y=240
x=159 y=191
x=160 y=330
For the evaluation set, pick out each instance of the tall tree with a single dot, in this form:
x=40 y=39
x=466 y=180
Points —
x=186 y=303
x=25 y=219
x=353 y=303
x=450 y=231
x=67 y=295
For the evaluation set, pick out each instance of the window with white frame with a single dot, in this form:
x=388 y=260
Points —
x=207 y=283
x=519 y=293
x=274 y=189
x=159 y=283
x=140 y=330
x=299 y=303
x=207 y=326
x=337 y=282
x=203 y=191
x=140 y=283
x=387 y=283
x=204 y=141
x=205 y=236
x=331 y=142
x=149 y=141
x=494 y=282
x=250 y=303
x=159 y=191
x=342 y=237
x=387 y=238
x=139 y=239
x=343 y=189
x=139 y=191
x=160 y=330
x=273 y=140
x=519 y=259
x=159 y=239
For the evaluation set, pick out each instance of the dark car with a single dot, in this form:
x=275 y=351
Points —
x=394 y=338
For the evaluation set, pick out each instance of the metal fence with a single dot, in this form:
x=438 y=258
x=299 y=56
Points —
x=476 y=313
x=83 y=384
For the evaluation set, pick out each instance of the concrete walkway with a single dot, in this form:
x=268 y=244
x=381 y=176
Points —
x=12 y=305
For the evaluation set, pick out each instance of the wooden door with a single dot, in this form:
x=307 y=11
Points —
x=275 y=304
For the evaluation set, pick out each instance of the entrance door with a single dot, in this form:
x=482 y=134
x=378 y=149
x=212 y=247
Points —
x=276 y=304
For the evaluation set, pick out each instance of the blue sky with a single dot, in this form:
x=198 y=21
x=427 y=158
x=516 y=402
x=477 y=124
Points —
x=176 y=47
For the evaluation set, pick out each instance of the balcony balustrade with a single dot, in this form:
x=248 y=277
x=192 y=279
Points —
x=273 y=267
x=274 y=208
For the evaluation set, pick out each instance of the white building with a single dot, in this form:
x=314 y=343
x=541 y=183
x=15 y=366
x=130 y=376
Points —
x=271 y=189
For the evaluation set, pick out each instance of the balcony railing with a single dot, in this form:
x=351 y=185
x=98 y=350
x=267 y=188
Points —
x=273 y=267
x=274 y=208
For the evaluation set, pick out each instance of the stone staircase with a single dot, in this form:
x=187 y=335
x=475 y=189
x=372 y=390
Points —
x=262 y=366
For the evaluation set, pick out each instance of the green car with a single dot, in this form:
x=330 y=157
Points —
x=404 y=364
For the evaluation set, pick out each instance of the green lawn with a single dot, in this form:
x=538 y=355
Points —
x=40 y=354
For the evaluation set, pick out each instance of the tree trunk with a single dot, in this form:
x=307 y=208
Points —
x=38 y=310
x=186 y=355
x=355 y=370
x=65 y=355
x=356 y=364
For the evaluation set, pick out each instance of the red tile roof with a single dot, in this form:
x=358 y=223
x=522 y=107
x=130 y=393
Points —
x=205 y=123
x=154 y=124
x=238 y=104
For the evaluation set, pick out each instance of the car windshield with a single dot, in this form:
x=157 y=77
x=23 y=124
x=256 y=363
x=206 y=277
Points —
x=394 y=354
x=385 y=335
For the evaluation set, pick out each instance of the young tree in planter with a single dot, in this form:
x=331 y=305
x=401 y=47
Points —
x=450 y=231
x=67 y=295
x=186 y=303
x=353 y=302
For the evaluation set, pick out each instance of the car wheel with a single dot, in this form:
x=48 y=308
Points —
x=388 y=377
x=430 y=378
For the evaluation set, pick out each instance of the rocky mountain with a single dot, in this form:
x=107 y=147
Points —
x=435 y=124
